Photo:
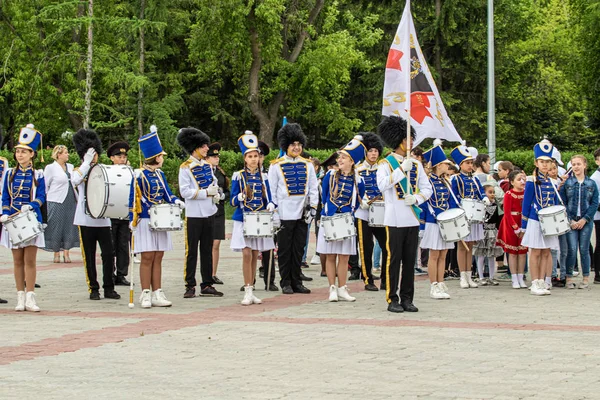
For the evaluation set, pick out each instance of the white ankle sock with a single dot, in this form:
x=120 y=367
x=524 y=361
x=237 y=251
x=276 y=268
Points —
x=514 y=279
x=520 y=279
x=480 y=266
x=492 y=267
x=549 y=280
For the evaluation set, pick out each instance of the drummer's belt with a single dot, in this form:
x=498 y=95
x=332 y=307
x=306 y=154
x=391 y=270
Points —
x=295 y=176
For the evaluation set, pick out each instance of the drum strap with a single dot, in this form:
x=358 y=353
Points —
x=556 y=191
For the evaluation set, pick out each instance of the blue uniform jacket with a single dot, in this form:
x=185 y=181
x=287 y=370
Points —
x=18 y=191
x=466 y=186
x=346 y=190
x=147 y=189
x=441 y=200
x=537 y=196
x=260 y=190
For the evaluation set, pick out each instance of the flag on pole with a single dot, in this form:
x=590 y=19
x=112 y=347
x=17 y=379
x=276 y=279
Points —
x=406 y=66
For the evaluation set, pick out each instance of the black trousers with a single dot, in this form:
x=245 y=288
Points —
x=121 y=238
x=198 y=233
x=403 y=245
x=291 y=239
x=366 y=245
x=265 y=263
x=596 y=257
x=89 y=236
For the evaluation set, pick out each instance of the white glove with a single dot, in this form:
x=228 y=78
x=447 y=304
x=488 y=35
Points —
x=3 y=218
x=222 y=197
x=212 y=190
x=276 y=220
x=397 y=175
x=89 y=156
x=241 y=197
x=410 y=199
x=517 y=231
x=131 y=227
x=364 y=204
x=216 y=199
x=487 y=201
x=26 y=208
x=310 y=215
x=180 y=203
x=270 y=207
x=406 y=165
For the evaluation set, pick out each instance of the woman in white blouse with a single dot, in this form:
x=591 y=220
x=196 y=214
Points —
x=61 y=197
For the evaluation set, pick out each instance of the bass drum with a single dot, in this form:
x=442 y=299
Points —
x=107 y=191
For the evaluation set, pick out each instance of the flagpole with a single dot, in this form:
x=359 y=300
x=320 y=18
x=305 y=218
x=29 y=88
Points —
x=409 y=89
x=491 y=117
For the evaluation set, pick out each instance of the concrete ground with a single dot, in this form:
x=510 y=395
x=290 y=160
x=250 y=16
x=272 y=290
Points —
x=485 y=343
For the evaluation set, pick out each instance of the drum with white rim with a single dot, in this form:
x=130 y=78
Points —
x=554 y=220
x=22 y=227
x=165 y=217
x=474 y=209
x=338 y=227
x=107 y=191
x=258 y=224
x=376 y=214
x=453 y=225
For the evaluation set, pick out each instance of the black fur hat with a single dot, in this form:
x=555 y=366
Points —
x=85 y=139
x=392 y=131
x=372 y=141
x=191 y=138
x=289 y=134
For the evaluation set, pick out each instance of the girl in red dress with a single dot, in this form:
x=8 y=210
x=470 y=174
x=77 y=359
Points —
x=510 y=232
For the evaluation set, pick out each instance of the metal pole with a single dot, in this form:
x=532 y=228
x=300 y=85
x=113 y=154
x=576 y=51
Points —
x=491 y=100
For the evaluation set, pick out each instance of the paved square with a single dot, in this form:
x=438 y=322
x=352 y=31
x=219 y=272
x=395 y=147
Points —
x=485 y=343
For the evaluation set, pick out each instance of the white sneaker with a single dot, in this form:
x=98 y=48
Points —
x=255 y=300
x=434 y=292
x=136 y=260
x=315 y=260
x=537 y=288
x=470 y=280
x=464 y=283
x=575 y=273
x=146 y=299
x=343 y=294
x=483 y=282
x=516 y=285
x=30 y=304
x=159 y=299
x=20 y=301
x=444 y=289
x=333 y=294
x=247 y=300
x=547 y=285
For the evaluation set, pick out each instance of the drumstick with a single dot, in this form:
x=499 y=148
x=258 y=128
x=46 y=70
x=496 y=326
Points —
x=464 y=244
x=268 y=285
x=131 y=304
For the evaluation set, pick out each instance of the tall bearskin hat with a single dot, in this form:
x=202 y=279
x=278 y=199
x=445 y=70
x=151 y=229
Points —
x=191 y=138
x=392 y=131
x=289 y=134
x=372 y=141
x=85 y=139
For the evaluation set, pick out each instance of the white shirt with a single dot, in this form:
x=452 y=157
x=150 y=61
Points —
x=57 y=182
x=81 y=218
x=397 y=213
x=197 y=202
x=290 y=207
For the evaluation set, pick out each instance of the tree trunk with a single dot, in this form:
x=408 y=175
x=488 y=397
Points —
x=88 y=76
x=142 y=61
x=438 y=51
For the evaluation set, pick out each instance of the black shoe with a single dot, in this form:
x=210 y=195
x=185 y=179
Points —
x=261 y=274
x=37 y=286
x=394 y=306
x=376 y=278
x=354 y=276
x=597 y=279
x=121 y=281
x=409 y=307
x=210 y=291
x=272 y=288
x=111 y=295
x=287 y=290
x=217 y=281
x=323 y=273
x=559 y=283
x=190 y=293
x=304 y=265
x=382 y=286
x=301 y=289
x=371 y=288
x=2 y=301
x=95 y=295
x=305 y=278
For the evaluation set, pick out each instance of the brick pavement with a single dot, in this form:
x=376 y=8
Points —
x=490 y=342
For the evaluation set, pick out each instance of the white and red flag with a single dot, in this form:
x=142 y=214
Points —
x=410 y=86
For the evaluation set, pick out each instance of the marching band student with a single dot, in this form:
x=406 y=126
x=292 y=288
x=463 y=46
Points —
x=402 y=213
x=510 y=233
x=342 y=192
x=441 y=200
x=250 y=192
x=24 y=190
x=213 y=157
x=92 y=231
x=199 y=188
x=121 y=236
x=295 y=192
x=487 y=247
x=466 y=186
x=539 y=193
x=368 y=172
x=3 y=169
x=150 y=188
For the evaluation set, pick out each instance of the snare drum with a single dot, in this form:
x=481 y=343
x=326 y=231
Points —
x=474 y=209
x=554 y=221
x=107 y=191
x=22 y=227
x=376 y=214
x=338 y=227
x=258 y=224
x=453 y=225
x=165 y=217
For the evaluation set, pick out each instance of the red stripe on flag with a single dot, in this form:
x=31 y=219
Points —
x=419 y=104
x=393 y=61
